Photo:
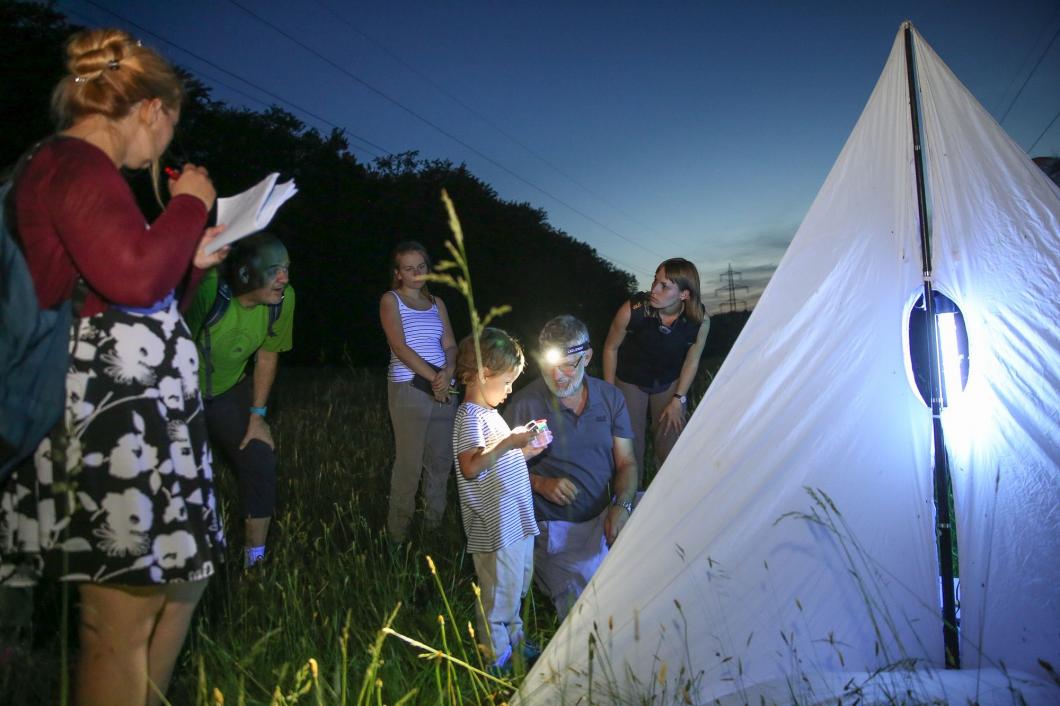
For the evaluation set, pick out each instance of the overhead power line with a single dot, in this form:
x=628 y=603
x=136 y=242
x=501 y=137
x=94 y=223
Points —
x=394 y=101
x=376 y=149
x=485 y=119
x=373 y=147
x=1039 y=138
x=1027 y=80
x=1030 y=52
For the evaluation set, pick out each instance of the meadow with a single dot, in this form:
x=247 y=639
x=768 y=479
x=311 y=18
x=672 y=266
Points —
x=333 y=615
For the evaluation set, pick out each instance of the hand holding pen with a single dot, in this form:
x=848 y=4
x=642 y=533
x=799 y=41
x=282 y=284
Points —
x=194 y=181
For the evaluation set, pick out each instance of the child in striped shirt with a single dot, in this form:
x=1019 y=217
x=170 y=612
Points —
x=494 y=485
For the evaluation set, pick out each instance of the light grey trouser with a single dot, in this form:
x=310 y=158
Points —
x=566 y=555
x=504 y=577
x=423 y=447
x=638 y=403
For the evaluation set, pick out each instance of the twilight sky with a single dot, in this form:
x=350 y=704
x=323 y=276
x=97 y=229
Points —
x=646 y=129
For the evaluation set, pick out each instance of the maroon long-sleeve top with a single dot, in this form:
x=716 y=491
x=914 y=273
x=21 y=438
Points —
x=77 y=214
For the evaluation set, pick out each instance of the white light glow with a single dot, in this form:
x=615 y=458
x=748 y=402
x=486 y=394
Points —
x=950 y=356
x=553 y=356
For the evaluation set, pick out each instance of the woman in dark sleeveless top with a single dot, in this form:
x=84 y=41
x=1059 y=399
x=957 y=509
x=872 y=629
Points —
x=652 y=354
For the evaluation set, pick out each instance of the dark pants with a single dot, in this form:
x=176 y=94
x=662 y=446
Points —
x=227 y=417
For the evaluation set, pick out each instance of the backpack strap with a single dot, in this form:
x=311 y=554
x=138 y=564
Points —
x=274 y=314
x=220 y=304
x=216 y=313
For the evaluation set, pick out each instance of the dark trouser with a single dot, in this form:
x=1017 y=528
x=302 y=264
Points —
x=227 y=417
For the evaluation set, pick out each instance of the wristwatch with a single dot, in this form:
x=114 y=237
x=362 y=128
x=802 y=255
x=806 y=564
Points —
x=628 y=505
x=682 y=398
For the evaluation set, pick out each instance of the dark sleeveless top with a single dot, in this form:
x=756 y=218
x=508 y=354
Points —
x=648 y=357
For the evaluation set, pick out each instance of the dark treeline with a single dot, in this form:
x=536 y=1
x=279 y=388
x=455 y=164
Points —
x=347 y=215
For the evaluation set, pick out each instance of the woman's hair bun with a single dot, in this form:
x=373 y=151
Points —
x=89 y=54
x=109 y=73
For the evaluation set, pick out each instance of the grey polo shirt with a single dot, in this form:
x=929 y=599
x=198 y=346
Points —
x=582 y=445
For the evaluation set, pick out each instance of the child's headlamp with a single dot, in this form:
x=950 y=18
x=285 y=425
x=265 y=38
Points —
x=554 y=354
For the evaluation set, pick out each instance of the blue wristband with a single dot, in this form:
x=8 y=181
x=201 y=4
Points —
x=260 y=411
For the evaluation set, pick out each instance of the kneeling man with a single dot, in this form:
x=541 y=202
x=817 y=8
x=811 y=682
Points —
x=585 y=481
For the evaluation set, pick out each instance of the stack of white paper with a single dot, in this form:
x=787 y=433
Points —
x=246 y=213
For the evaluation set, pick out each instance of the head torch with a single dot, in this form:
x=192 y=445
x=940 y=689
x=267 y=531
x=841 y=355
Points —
x=554 y=355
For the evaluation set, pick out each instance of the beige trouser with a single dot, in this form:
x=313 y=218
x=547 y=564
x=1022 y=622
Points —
x=566 y=555
x=423 y=441
x=504 y=577
x=638 y=402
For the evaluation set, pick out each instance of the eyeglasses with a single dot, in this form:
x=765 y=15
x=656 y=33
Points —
x=570 y=369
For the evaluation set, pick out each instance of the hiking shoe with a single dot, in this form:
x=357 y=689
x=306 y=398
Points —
x=530 y=652
x=501 y=671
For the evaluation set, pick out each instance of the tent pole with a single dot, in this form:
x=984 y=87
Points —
x=943 y=521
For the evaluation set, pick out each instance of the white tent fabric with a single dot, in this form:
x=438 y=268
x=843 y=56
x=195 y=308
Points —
x=996 y=245
x=713 y=588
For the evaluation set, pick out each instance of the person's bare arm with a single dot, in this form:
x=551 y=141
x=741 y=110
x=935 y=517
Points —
x=440 y=381
x=624 y=486
x=474 y=461
x=615 y=335
x=673 y=415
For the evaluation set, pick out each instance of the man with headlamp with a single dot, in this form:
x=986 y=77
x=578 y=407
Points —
x=585 y=482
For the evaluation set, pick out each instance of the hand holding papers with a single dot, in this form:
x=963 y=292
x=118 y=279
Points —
x=250 y=211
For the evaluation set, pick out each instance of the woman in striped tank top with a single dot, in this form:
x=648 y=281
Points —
x=422 y=360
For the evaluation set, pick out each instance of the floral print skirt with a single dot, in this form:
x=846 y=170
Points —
x=128 y=496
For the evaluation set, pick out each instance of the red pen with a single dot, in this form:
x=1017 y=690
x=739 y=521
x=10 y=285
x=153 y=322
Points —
x=172 y=173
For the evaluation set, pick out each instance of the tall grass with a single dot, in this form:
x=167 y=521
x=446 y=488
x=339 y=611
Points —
x=383 y=622
x=332 y=589
x=336 y=614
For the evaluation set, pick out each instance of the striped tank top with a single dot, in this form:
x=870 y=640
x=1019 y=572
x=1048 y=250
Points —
x=423 y=334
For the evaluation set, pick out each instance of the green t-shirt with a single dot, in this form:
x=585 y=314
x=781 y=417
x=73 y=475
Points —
x=238 y=335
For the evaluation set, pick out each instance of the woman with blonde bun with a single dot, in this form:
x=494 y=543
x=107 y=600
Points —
x=120 y=499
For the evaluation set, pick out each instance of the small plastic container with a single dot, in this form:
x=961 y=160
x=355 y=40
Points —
x=543 y=437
